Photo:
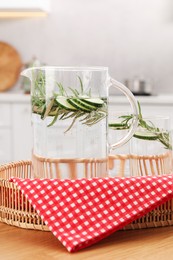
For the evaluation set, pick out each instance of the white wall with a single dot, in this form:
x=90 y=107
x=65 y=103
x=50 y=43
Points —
x=131 y=37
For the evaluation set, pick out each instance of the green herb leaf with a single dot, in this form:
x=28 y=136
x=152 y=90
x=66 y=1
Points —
x=88 y=116
x=162 y=135
x=81 y=85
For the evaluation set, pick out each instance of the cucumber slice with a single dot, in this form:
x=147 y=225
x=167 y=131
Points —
x=63 y=102
x=94 y=101
x=85 y=104
x=145 y=136
x=118 y=126
x=83 y=96
x=77 y=105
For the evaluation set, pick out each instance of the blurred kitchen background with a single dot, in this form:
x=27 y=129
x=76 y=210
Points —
x=133 y=38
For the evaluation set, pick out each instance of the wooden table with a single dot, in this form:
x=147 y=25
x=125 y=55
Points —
x=22 y=244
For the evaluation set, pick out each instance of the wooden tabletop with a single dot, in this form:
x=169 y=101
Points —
x=22 y=244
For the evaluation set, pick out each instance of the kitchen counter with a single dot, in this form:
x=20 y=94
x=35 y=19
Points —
x=155 y=243
x=155 y=99
x=14 y=98
x=148 y=100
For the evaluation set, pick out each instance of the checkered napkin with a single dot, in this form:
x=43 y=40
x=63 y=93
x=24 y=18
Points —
x=82 y=212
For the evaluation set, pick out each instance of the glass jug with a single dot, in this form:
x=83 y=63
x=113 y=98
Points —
x=69 y=120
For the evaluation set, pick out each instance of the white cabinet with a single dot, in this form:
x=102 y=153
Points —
x=5 y=118
x=22 y=132
x=15 y=121
x=5 y=145
x=5 y=133
x=15 y=128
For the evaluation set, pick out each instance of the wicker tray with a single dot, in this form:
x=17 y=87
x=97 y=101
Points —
x=16 y=210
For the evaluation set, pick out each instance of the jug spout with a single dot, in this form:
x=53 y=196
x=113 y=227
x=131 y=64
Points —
x=28 y=73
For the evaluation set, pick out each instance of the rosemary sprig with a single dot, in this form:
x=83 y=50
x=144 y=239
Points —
x=62 y=91
x=81 y=85
x=162 y=135
x=88 y=116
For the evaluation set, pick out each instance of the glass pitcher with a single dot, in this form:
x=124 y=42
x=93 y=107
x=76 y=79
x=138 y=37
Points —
x=69 y=120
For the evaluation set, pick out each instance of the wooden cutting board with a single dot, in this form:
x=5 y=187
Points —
x=10 y=66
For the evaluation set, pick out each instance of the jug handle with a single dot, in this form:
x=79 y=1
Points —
x=134 y=106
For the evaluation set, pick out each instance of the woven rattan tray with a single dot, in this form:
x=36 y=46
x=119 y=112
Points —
x=16 y=210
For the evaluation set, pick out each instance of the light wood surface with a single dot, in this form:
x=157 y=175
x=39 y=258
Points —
x=22 y=244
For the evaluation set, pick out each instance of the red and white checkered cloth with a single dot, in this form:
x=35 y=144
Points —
x=82 y=212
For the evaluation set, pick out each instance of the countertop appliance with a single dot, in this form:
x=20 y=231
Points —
x=139 y=86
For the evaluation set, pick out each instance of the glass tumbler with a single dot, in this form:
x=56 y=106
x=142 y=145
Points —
x=151 y=147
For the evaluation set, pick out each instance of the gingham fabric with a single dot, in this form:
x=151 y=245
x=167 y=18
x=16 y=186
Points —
x=82 y=212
